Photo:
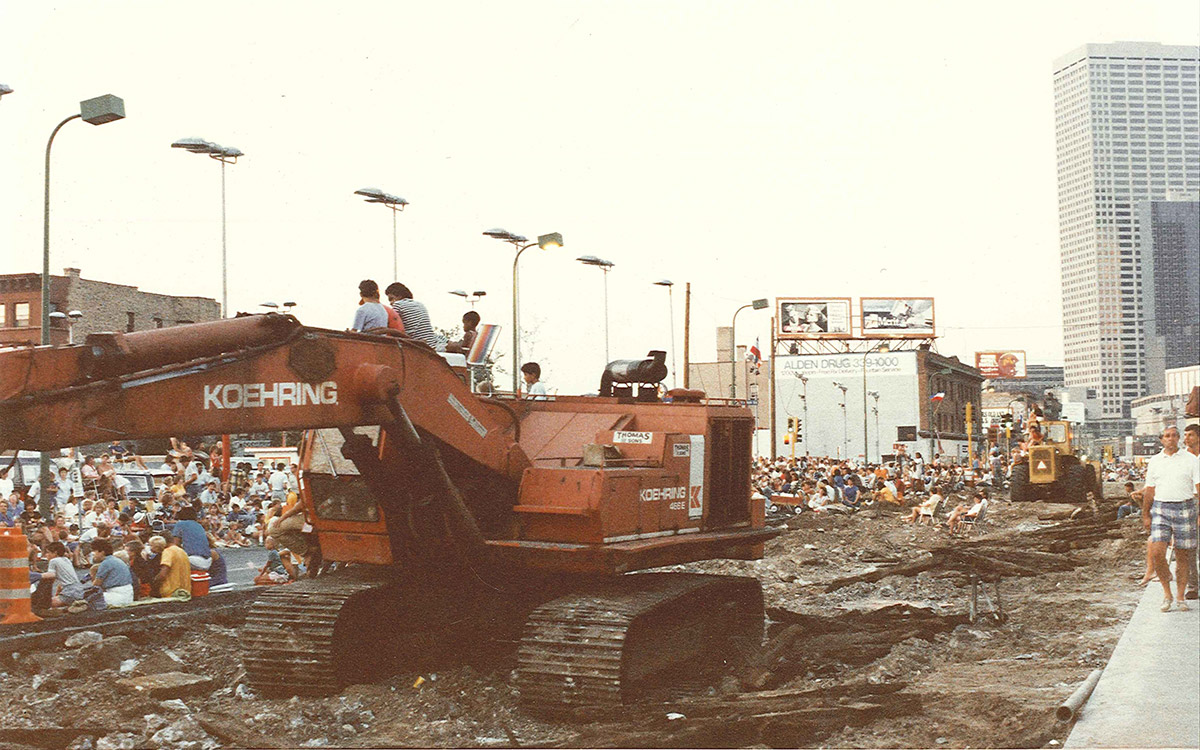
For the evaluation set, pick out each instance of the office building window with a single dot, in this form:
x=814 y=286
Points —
x=129 y=321
x=21 y=314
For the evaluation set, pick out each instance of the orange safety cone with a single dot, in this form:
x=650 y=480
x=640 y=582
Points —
x=14 y=579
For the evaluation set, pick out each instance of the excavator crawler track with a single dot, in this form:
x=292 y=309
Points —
x=301 y=638
x=595 y=648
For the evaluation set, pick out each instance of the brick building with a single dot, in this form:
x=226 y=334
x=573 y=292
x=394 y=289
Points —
x=105 y=307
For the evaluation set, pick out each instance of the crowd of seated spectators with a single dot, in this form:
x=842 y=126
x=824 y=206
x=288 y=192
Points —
x=100 y=547
x=824 y=485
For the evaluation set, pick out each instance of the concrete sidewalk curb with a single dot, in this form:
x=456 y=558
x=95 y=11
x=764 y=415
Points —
x=1149 y=694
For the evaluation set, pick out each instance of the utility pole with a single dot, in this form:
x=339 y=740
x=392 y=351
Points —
x=772 y=385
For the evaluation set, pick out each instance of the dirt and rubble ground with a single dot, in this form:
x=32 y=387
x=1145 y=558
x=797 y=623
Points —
x=892 y=662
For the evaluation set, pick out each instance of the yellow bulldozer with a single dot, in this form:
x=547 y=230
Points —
x=1052 y=471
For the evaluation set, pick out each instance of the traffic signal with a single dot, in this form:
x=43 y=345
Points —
x=969 y=410
x=793 y=430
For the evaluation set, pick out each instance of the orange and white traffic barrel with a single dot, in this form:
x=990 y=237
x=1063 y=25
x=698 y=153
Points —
x=14 y=579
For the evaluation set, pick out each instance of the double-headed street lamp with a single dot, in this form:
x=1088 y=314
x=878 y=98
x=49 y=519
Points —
x=225 y=155
x=670 y=285
x=471 y=297
x=605 y=266
x=881 y=347
x=287 y=307
x=70 y=318
x=758 y=304
x=803 y=400
x=845 y=422
x=397 y=204
x=544 y=241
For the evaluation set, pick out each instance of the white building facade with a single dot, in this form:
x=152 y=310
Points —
x=810 y=387
x=1127 y=129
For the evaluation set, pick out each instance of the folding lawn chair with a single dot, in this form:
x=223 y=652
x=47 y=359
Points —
x=931 y=513
x=978 y=522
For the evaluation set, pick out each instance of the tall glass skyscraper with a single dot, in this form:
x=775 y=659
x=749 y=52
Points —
x=1127 y=129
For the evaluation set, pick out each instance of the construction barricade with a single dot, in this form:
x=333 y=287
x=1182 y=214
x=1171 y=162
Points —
x=14 y=579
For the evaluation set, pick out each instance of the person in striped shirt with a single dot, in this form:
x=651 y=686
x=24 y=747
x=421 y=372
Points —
x=414 y=316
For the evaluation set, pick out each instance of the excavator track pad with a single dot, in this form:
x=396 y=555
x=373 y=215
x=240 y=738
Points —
x=309 y=637
x=599 y=647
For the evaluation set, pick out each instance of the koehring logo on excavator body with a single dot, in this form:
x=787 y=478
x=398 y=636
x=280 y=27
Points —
x=651 y=494
x=261 y=395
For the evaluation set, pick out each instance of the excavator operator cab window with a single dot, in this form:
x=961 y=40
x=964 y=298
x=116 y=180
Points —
x=333 y=482
x=343 y=499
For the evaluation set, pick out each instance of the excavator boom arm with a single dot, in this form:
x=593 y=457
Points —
x=258 y=373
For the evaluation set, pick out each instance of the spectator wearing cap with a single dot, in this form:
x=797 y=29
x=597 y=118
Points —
x=260 y=487
x=112 y=575
x=174 y=571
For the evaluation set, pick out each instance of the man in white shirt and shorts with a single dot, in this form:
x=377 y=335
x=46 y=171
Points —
x=1169 y=512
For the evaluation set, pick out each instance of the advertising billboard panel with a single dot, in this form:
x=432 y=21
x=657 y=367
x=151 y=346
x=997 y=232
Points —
x=897 y=317
x=813 y=318
x=992 y=365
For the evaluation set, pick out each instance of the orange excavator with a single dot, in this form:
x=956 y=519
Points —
x=447 y=511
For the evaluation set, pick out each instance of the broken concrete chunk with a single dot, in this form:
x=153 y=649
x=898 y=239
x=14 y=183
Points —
x=158 y=661
x=167 y=685
x=105 y=654
x=83 y=638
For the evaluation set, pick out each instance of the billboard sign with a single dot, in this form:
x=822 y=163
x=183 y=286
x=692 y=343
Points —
x=992 y=365
x=897 y=317
x=812 y=318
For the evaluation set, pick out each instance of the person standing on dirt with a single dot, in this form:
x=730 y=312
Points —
x=1169 y=512
x=1191 y=442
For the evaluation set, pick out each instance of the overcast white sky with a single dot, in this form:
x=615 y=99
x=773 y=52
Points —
x=755 y=149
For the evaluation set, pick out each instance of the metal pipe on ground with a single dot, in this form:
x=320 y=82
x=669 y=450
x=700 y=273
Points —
x=1070 y=707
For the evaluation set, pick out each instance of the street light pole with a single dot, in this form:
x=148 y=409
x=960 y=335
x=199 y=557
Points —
x=670 y=285
x=46 y=237
x=875 y=411
x=95 y=111
x=225 y=155
x=882 y=347
x=603 y=265
x=544 y=241
x=397 y=204
x=933 y=410
x=845 y=421
x=758 y=304
x=804 y=401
